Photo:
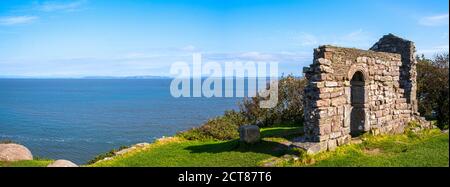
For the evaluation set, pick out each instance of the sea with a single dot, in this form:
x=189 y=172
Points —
x=78 y=119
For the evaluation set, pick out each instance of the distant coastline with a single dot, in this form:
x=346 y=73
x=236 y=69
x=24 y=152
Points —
x=87 y=77
x=118 y=77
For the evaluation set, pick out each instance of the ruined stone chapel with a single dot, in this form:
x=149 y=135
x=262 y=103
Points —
x=352 y=91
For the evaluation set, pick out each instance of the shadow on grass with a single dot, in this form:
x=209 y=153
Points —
x=263 y=147
x=274 y=148
x=283 y=132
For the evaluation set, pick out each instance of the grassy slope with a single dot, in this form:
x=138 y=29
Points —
x=429 y=148
x=179 y=152
x=27 y=163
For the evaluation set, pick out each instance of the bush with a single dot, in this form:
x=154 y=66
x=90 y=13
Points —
x=289 y=108
x=106 y=155
x=6 y=141
x=220 y=128
x=433 y=88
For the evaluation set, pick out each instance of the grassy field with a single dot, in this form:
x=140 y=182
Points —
x=428 y=148
x=27 y=163
x=180 y=152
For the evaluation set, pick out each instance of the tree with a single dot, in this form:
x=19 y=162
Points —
x=433 y=88
x=289 y=108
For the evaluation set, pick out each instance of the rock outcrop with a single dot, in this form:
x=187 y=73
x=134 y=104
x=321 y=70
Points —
x=62 y=163
x=14 y=152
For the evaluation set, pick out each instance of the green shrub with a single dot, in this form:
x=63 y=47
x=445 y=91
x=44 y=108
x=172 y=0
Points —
x=433 y=88
x=289 y=108
x=220 y=128
x=106 y=155
x=6 y=141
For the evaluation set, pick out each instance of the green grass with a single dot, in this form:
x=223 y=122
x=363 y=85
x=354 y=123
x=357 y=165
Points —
x=27 y=163
x=429 y=148
x=179 y=152
x=426 y=149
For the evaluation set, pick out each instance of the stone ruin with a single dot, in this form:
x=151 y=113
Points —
x=353 y=91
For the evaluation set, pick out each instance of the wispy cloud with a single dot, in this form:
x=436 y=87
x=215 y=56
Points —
x=357 y=38
x=306 y=39
x=436 y=20
x=17 y=20
x=434 y=50
x=51 y=6
x=354 y=38
x=282 y=56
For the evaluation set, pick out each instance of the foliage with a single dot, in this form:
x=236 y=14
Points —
x=433 y=88
x=288 y=109
x=106 y=155
x=220 y=128
x=6 y=141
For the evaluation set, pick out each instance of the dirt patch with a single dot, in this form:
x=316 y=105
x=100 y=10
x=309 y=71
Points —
x=375 y=151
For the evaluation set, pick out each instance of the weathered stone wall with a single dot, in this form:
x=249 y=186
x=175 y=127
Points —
x=380 y=99
x=408 y=73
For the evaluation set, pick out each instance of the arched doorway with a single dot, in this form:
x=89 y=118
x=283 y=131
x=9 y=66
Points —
x=357 y=102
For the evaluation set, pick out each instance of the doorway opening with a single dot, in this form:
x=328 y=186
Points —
x=357 y=101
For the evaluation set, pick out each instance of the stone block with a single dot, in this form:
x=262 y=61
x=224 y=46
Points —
x=331 y=145
x=331 y=84
x=335 y=135
x=339 y=101
x=249 y=134
x=326 y=69
x=323 y=103
x=311 y=147
x=323 y=61
x=343 y=140
x=325 y=129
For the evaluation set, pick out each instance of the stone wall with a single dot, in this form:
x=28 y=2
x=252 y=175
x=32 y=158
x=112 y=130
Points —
x=408 y=74
x=352 y=91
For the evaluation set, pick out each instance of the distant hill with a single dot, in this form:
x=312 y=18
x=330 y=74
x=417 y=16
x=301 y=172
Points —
x=126 y=77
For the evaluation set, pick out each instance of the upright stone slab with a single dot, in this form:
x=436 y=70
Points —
x=249 y=134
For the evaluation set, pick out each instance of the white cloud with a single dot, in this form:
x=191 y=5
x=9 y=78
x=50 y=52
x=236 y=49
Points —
x=189 y=48
x=16 y=20
x=356 y=38
x=354 y=35
x=259 y=56
x=306 y=39
x=436 y=20
x=434 y=50
x=51 y=6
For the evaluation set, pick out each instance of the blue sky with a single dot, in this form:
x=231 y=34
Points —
x=143 y=37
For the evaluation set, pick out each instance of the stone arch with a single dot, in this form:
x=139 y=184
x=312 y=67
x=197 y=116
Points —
x=358 y=68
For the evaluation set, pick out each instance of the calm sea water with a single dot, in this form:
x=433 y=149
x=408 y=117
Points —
x=77 y=119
